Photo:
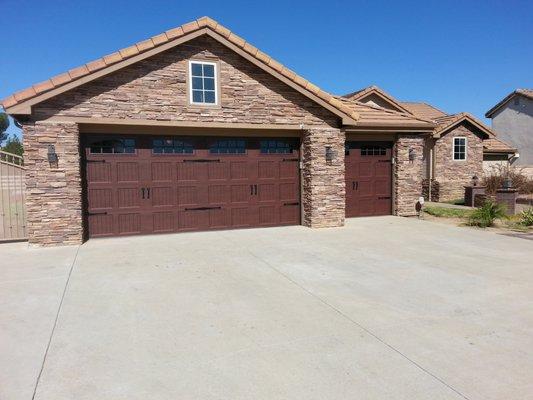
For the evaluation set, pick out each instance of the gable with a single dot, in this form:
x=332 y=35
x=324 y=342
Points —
x=21 y=103
x=157 y=89
x=375 y=96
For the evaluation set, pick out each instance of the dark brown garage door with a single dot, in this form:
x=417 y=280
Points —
x=368 y=178
x=150 y=184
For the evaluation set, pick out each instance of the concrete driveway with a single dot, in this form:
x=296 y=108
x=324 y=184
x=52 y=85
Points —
x=385 y=308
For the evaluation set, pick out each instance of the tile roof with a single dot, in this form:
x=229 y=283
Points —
x=161 y=39
x=495 y=145
x=423 y=110
x=524 y=92
x=370 y=115
x=360 y=94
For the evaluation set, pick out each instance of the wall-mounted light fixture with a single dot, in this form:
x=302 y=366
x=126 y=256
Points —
x=475 y=180
x=330 y=154
x=52 y=155
x=412 y=154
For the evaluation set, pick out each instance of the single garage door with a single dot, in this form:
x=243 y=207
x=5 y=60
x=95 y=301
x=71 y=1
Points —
x=151 y=184
x=368 y=178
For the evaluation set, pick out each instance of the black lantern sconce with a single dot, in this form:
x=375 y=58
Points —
x=475 y=180
x=412 y=154
x=330 y=154
x=52 y=155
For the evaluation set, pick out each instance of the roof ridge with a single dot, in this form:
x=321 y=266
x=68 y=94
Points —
x=164 y=38
x=412 y=116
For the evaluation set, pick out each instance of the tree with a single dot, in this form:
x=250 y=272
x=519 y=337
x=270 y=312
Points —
x=4 y=124
x=14 y=146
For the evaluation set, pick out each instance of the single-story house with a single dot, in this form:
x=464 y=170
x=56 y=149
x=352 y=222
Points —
x=459 y=148
x=196 y=129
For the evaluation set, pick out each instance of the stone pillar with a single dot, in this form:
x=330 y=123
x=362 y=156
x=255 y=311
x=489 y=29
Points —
x=507 y=197
x=322 y=181
x=53 y=193
x=408 y=174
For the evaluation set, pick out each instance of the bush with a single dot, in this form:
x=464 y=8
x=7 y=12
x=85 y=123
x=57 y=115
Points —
x=519 y=180
x=14 y=146
x=445 y=212
x=526 y=217
x=485 y=215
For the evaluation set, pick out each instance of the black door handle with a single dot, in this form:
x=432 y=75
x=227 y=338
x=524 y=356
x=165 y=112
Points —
x=255 y=190
x=142 y=190
x=357 y=185
x=353 y=185
x=251 y=190
x=148 y=192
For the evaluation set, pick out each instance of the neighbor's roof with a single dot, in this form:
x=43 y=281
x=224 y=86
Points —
x=371 y=116
x=423 y=110
x=374 y=90
x=495 y=145
x=78 y=76
x=518 y=92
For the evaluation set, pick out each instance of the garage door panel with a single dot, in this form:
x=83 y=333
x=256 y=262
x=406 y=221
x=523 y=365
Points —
x=188 y=195
x=128 y=197
x=175 y=187
x=162 y=196
x=162 y=171
x=192 y=171
x=366 y=169
x=218 y=194
x=382 y=187
x=164 y=221
x=101 y=198
x=98 y=172
x=127 y=172
x=129 y=223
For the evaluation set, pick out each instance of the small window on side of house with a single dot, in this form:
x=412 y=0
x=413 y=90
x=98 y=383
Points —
x=203 y=83
x=459 y=148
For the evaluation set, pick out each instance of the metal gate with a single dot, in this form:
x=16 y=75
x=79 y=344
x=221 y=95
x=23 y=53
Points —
x=12 y=204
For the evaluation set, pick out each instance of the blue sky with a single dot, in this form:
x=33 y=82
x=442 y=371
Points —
x=456 y=55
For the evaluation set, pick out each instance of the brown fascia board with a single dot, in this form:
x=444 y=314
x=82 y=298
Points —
x=380 y=93
x=469 y=119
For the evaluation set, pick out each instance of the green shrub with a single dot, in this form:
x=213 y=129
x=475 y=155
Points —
x=485 y=215
x=526 y=217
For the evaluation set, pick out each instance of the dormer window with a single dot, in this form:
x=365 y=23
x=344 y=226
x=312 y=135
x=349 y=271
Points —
x=203 y=83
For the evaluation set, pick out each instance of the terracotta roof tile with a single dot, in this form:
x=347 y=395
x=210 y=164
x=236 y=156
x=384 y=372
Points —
x=171 y=34
x=495 y=145
x=112 y=58
x=190 y=26
x=423 y=110
x=174 y=33
x=96 y=65
x=360 y=94
x=524 y=92
x=43 y=86
x=78 y=72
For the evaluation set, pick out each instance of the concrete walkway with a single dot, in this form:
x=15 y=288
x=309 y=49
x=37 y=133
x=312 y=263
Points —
x=385 y=308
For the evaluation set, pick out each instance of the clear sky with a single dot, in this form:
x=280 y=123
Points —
x=456 y=55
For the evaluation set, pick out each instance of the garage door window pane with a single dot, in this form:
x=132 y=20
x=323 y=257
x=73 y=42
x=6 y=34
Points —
x=172 y=146
x=228 y=146
x=113 y=146
x=373 y=151
x=275 y=147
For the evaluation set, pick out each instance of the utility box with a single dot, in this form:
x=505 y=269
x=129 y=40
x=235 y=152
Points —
x=471 y=192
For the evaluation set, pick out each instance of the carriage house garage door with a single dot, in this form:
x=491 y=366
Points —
x=151 y=184
x=368 y=178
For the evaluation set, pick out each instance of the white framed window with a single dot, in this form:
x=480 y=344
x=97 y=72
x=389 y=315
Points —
x=459 y=148
x=203 y=83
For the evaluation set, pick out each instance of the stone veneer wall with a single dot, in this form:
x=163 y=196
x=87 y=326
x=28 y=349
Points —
x=156 y=89
x=451 y=174
x=323 y=182
x=53 y=194
x=408 y=175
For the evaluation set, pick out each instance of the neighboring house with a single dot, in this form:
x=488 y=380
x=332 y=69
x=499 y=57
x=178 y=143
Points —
x=196 y=129
x=457 y=148
x=512 y=119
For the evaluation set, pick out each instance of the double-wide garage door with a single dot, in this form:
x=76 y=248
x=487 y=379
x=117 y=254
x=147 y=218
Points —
x=151 y=184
